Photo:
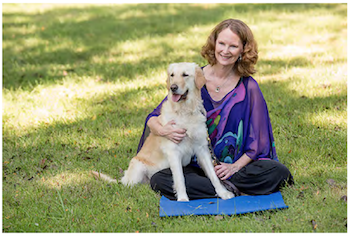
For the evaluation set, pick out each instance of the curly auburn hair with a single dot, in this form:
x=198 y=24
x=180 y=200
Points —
x=245 y=66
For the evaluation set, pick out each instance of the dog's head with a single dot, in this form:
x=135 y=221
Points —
x=184 y=79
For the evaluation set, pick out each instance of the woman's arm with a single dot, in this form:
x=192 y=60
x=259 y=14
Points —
x=168 y=131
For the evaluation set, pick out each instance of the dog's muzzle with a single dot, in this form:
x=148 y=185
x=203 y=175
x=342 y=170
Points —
x=175 y=96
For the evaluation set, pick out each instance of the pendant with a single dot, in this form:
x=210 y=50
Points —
x=217 y=89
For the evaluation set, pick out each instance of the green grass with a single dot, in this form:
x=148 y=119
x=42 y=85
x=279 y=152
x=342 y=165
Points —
x=79 y=80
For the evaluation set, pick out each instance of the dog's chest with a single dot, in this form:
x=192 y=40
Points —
x=193 y=120
x=194 y=124
x=194 y=130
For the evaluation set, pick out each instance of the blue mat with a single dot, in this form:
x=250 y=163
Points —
x=217 y=206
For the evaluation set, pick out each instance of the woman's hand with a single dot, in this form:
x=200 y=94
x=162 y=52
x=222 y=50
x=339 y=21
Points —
x=175 y=135
x=225 y=170
x=168 y=131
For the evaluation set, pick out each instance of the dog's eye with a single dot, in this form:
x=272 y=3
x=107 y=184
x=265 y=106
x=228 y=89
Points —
x=172 y=75
x=184 y=75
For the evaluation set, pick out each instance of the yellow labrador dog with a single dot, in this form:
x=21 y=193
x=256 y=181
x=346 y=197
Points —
x=185 y=106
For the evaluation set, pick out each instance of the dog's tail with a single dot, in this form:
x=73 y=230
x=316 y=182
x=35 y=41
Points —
x=107 y=178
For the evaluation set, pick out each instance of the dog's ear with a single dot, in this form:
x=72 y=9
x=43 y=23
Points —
x=168 y=78
x=200 y=79
x=168 y=82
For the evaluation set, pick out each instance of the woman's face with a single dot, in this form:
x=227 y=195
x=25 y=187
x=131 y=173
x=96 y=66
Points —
x=228 y=47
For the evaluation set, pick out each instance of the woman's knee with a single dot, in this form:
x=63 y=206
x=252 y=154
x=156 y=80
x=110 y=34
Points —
x=161 y=180
x=153 y=181
x=284 y=173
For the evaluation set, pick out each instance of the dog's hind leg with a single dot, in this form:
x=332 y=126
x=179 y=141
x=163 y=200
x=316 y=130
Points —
x=204 y=160
x=134 y=174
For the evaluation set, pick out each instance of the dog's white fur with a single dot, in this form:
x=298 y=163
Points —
x=159 y=153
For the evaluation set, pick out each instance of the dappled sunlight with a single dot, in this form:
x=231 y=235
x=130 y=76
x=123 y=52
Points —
x=162 y=47
x=136 y=51
x=331 y=78
x=143 y=11
x=20 y=19
x=291 y=51
x=38 y=108
x=69 y=102
x=316 y=49
x=67 y=179
x=141 y=49
x=136 y=13
x=295 y=36
x=200 y=31
x=324 y=119
x=314 y=53
x=80 y=79
x=36 y=8
x=27 y=42
x=72 y=97
x=331 y=81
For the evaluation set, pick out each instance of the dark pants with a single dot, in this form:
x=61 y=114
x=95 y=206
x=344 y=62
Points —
x=257 y=178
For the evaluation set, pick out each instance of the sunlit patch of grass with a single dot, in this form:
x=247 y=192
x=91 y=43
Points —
x=139 y=50
x=66 y=179
x=136 y=51
x=316 y=43
x=326 y=119
x=67 y=102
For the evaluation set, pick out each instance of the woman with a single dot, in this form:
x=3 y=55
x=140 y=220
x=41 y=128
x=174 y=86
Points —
x=237 y=117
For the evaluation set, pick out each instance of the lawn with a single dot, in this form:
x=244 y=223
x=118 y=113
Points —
x=79 y=81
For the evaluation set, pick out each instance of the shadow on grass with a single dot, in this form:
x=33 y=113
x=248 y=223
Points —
x=81 y=143
x=105 y=143
x=97 y=29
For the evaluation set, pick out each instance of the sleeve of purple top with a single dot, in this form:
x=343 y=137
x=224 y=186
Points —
x=258 y=141
x=145 y=133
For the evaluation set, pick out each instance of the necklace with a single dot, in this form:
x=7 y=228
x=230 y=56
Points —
x=217 y=89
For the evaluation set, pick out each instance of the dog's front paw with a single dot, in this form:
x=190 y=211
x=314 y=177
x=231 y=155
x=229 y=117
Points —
x=183 y=199
x=226 y=195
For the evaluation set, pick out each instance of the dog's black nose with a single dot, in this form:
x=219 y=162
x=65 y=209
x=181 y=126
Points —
x=174 y=87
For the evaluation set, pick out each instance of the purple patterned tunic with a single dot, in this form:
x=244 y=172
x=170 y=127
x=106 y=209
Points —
x=237 y=124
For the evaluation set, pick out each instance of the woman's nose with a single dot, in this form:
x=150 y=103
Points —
x=226 y=49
